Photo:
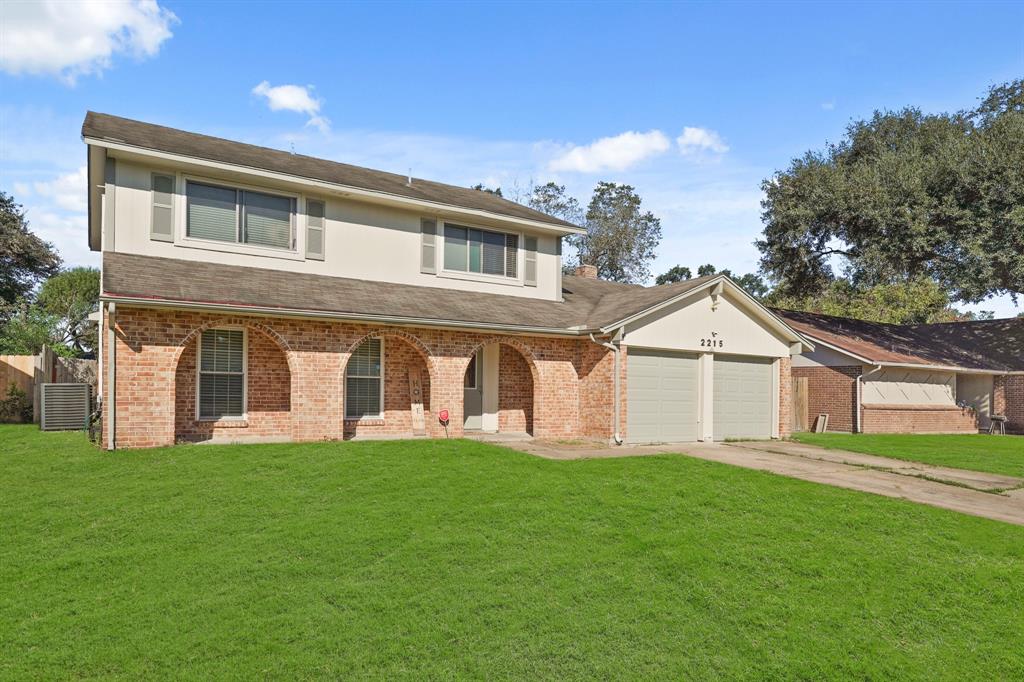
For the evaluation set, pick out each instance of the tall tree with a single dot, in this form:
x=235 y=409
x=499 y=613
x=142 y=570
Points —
x=551 y=198
x=915 y=302
x=906 y=195
x=621 y=238
x=676 y=273
x=25 y=259
x=70 y=297
x=751 y=282
x=480 y=188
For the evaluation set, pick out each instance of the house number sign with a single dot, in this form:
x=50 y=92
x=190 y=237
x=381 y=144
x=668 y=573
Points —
x=712 y=341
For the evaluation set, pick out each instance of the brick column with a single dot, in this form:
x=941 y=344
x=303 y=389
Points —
x=317 y=394
x=785 y=396
x=446 y=392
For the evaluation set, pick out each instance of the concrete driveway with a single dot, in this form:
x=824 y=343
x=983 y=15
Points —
x=980 y=494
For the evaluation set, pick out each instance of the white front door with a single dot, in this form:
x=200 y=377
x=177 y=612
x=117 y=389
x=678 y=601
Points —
x=472 y=394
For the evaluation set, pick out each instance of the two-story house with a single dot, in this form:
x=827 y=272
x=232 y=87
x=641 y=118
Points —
x=255 y=294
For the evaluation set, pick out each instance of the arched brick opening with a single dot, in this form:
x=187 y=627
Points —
x=405 y=357
x=518 y=383
x=267 y=394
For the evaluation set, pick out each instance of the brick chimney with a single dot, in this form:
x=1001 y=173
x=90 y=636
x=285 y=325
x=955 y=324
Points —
x=587 y=271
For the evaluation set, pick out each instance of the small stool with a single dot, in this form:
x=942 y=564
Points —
x=997 y=424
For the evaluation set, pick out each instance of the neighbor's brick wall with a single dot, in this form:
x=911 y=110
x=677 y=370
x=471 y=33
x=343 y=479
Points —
x=150 y=343
x=918 y=419
x=268 y=394
x=1013 y=407
x=832 y=391
x=515 y=391
x=785 y=397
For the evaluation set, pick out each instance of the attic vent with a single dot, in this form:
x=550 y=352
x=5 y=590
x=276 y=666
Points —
x=65 y=407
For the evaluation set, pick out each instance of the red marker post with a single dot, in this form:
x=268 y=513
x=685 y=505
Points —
x=442 y=416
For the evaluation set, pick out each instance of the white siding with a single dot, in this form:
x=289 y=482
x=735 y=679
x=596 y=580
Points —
x=730 y=327
x=363 y=241
x=898 y=386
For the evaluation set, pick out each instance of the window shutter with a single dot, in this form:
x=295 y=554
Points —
x=530 y=261
x=315 y=218
x=511 y=255
x=428 y=246
x=162 y=227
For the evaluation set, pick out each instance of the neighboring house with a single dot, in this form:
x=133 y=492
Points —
x=928 y=378
x=254 y=294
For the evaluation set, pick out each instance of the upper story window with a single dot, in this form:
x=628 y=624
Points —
x=468 y=249
x=241 y=216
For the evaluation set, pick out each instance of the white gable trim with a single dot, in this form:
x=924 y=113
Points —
x=715 y=286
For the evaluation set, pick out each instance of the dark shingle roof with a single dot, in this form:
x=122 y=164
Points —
x=171 y=140
x=588 y=303
x=996 y=345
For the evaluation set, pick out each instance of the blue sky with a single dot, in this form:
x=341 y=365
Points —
x=694 y=104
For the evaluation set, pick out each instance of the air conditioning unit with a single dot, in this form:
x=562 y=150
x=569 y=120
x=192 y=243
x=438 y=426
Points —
x=65 y=407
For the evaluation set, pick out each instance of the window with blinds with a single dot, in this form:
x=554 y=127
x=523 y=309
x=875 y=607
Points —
x=221 y=373
x=468 y=249
x=364 y=381
x=226 y=214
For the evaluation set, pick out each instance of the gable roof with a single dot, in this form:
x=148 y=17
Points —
x=588 y=305
x=117 y=130
x=987 y=345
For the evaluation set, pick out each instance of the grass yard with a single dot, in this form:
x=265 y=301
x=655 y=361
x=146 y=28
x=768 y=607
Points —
x=458 y=559
x=978 y=452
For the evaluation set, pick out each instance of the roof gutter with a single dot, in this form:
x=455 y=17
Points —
x=345 y=190
x=356 y=317
x=860 y=394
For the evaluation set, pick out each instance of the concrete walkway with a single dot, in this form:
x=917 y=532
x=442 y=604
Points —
x=958 y=490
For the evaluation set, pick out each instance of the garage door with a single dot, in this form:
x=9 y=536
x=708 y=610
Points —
x=661 y=394
x=743 y=398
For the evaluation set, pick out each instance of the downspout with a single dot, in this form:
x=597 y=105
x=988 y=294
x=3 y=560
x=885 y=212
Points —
x=860 y=384
x=616 y=386
x=108 y=409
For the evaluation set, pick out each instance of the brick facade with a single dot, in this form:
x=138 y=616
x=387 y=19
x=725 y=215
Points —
x=832 y=391
x=551 y=387
x=1008 y=399
x=918 y=419
x=515 y=391
x=785 y=397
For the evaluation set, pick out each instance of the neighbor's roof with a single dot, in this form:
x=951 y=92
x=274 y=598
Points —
x=119 y=130
x=995 y=345
x=589 y=304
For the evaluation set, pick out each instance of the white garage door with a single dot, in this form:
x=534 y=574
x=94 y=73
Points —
x=743 y=398
x=661 y=395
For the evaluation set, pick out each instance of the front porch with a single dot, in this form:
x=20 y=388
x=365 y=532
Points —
x=200 y=377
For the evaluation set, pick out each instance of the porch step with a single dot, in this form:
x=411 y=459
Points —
x=500 y=437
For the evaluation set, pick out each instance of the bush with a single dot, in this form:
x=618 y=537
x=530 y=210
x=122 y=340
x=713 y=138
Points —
x=16 y=407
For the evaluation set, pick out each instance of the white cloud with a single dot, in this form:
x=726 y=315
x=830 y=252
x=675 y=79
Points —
x=67 y=191
x=612 y=153
x=72 y=39
x=829 y=105
x=695 y=140
x=295 y=98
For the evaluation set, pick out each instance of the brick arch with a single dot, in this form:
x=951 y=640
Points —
x=525 y=350
x=268 y=331
x=275 y=338
x=412 y=340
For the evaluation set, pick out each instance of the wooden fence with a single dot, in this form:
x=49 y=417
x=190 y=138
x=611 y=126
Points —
x=27 y=372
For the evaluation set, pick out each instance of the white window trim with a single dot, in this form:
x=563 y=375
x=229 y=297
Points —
x=380 y=408
x=245 y=374
x=181 y=221
x=442 y=271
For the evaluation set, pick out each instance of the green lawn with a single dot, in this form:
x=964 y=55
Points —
x=457 y=559
x=978 y=452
